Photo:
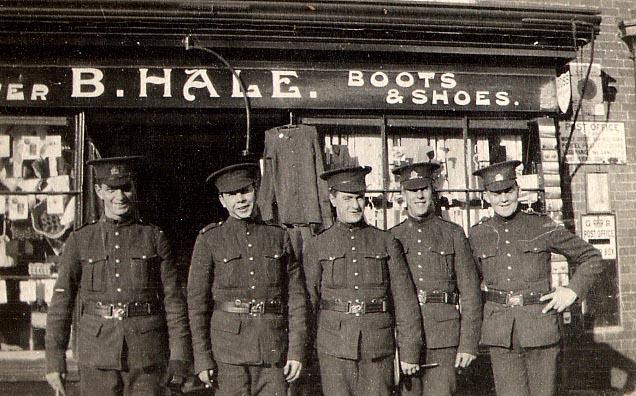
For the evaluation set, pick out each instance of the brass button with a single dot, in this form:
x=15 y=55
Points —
x=353 y=248
x=354 y=261
x=119 y=290
x=117 y=275
x=117 y=261
x=116 y=246
x=116 y=233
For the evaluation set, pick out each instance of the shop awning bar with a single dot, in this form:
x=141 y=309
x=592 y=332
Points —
x=352 y=25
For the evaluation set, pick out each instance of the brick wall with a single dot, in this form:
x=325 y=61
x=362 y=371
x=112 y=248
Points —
x=616 y=347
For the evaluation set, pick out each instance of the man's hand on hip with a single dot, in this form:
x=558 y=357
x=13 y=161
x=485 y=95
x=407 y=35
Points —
x=560 y=299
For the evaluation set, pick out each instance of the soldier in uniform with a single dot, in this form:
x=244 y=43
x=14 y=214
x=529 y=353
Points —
x=133 y=322
x=513 y=251
x=361 y=292
x=246 y=296
x=443 y=269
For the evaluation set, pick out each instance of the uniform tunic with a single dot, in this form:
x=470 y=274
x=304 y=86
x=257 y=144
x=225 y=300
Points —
x=513 y=255
x=250 y=261
x=360 y=262
x=440 y=259
x=118 y=263
x=291 y=191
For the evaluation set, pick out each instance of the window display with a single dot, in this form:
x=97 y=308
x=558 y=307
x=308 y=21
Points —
x=38 y=189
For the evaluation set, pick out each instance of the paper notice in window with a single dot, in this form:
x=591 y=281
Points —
x=55 y=204
x=3 y=292
x=5 y=146
x=28 y=291
x=3 y=205
x=30 y=147
x=19 y=207
x=49 y=285
x=53 y=146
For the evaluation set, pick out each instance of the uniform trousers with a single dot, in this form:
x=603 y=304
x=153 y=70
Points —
x=520 y=371
x=242 y=380
x=436 y=381
x=345 y=377
x=146 y=381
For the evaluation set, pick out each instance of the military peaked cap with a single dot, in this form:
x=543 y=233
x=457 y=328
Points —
x=499 y=176
x=416 y=176
x=348 y=179
x=115 y=171
x=234 y=177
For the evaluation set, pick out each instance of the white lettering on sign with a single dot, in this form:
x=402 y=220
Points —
x=144 y=80
x=87 y=82
x=253 y=91
x=198 y=79
x=326 y=88
x=600 y=231
x=280 y=78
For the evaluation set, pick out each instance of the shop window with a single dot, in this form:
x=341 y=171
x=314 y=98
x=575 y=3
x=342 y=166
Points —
x=385 y=144
x=38 y=205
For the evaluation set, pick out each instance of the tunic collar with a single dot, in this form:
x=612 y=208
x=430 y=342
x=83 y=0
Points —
x=351 y=227
x=123 y=222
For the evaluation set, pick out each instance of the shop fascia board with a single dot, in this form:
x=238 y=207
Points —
x=359 y=25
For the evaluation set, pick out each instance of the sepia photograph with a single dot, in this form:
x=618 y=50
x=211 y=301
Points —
x=329 y=198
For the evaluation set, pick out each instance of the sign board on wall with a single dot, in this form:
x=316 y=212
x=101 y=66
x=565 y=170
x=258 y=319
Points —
x=438 y=88
x=595 y=143
x=600 y=231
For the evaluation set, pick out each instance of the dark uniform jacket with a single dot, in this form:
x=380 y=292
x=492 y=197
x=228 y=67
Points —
x=250 y=261
x=440 y=259
x=360 y=262
x=112 y=262
x=514 y=256
x=291 y=190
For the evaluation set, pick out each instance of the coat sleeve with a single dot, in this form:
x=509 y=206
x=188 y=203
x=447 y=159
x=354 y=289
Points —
x=200 y=280
x=323 y=191
x=586 y=258
x=470 y=295
x=297 y=309
x=313 y=274
x=174 y=303
x=60 y=313
x=408 y=320
x=266 y=195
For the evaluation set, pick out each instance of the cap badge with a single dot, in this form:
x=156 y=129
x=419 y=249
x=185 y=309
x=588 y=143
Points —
x=414 y=175
x=114 y=170
x=499 y=177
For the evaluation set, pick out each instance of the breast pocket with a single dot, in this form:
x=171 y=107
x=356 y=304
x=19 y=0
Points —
x=445 y=259
x=374 y=269
x=538 y=259
x=145 y=270
x=227 y=271
x=334 y=270
x=274 y=267
x=93 y=273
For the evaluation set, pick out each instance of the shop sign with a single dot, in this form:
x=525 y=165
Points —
x=595 y=143
x=600 y=231
x=204 y=87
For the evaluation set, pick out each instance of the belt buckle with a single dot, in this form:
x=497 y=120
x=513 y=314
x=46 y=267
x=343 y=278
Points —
x=356 y=308
x=116 y=312
x=258 y=308
x=421 y=296
x=513 y=300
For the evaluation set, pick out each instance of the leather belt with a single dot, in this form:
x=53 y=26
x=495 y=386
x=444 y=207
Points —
x=121 y=310
x=354 y=307
x=251 y=307
x=512 y=299
x=437 y=296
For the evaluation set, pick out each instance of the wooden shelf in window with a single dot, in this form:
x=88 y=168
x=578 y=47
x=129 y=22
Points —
x=40 y=192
